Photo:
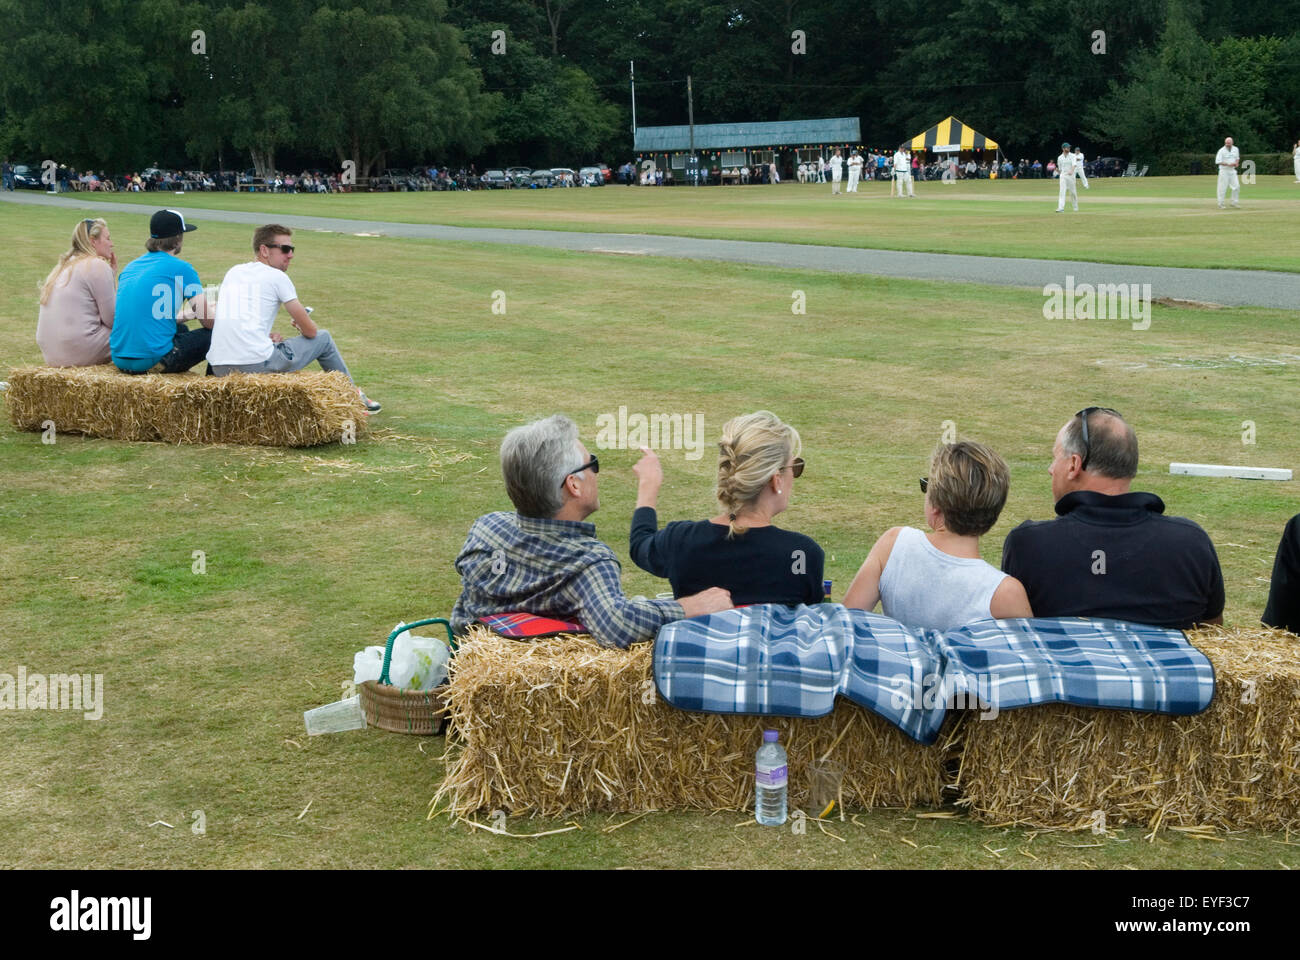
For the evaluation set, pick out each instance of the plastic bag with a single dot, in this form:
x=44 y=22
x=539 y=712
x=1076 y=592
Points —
x=368 y=664
x=418 y=663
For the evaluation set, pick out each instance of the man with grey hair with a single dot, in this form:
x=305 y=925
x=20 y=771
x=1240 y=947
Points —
x=545 y=559
x=1111 y=552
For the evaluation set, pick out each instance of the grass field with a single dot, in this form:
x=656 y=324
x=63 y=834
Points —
x=311 y=555
x=1166 y=221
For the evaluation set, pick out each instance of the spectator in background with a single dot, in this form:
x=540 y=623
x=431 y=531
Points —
x=250 y=297
x=7 y=174
x=149 y=331
x=78 y=300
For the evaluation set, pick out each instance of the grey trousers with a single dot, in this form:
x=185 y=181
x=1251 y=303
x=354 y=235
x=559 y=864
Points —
x=294 y=355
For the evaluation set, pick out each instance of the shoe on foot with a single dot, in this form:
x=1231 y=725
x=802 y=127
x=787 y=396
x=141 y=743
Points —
x=370 y=405
x=1236 y=205
x=1220 y=206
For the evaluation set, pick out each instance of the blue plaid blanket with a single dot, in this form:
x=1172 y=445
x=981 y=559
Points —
x=774 y=660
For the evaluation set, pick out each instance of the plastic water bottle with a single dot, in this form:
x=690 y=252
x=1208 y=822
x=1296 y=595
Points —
x=770 y=774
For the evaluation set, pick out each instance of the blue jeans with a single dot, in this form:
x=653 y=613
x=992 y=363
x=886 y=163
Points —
x=293 y=355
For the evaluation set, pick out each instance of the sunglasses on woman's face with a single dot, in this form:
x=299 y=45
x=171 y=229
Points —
x=796 y=467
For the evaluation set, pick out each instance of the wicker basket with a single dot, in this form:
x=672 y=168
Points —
x=388 y=707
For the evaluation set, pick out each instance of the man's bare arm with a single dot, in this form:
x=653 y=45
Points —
x=301 y=318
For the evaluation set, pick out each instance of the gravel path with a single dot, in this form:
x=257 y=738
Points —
x=1230 y=287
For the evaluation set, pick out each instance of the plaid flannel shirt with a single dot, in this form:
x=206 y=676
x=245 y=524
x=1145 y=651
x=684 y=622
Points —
x=555 y=568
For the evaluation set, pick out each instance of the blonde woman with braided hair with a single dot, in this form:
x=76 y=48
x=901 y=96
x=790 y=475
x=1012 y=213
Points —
x=78 y=300
x=739 y=549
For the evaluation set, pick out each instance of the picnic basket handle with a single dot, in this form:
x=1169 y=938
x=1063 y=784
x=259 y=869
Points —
x=392 y=637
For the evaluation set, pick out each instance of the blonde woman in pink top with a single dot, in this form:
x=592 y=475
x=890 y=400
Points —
x=77 y=300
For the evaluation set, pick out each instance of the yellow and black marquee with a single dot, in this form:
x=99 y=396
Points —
x=951 y=136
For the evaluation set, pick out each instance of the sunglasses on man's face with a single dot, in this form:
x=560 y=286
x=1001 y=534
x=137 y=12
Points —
x=925 y=484
x=593 y=464
x=284 y=247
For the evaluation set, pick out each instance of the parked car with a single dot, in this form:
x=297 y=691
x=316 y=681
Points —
x=520 y=179
x=591 y=177
x=495 y=179
x=27 y=177
x=605 y=172
x=565 y=177
x=542 y=178
x=516 y=171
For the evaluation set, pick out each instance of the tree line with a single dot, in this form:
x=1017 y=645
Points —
x=123 y=84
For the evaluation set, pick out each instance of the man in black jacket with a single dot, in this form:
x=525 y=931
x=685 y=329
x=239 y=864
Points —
x=1111 y=552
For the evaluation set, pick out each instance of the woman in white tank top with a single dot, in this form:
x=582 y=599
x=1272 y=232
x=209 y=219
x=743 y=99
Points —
x=937 y=580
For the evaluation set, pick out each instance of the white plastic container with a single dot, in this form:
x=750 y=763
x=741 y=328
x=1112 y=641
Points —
x=336 y=717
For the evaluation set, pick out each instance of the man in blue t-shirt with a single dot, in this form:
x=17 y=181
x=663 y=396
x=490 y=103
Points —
x=149 y=330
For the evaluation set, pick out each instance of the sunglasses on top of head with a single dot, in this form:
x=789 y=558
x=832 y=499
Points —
x=1083 y=416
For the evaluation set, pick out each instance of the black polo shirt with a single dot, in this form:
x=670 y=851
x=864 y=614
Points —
x=1117 y=558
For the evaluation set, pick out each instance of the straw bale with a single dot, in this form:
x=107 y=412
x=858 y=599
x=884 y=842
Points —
x=1235 y=765
x=278 y=409
x=565 y=726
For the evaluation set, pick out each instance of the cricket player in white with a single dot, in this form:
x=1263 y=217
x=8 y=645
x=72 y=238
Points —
x=1295 y=156
x=1228 y=158
x=1065 y=167
x=837 y=171
x=855 y=172
x=1078 y=166
x=903 y=173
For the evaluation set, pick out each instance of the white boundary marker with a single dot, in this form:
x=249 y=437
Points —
x=1220 y=470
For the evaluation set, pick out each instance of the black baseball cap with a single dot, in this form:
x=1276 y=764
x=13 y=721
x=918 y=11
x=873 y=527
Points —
x=168 y=223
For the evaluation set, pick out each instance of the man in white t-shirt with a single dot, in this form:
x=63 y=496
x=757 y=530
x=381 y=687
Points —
x=1228 y=158
x=250 y=297
x=855 y=171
